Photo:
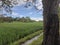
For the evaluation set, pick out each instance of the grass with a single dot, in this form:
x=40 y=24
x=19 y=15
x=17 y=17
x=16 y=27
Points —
x=11 y=32
x=19 y=42
x=38 y=41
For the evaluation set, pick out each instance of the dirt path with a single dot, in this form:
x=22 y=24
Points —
x=31 y=40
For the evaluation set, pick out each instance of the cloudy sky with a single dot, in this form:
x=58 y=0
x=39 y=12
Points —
x=20 y=11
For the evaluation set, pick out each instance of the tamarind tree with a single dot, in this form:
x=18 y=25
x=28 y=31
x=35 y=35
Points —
x=51 y=22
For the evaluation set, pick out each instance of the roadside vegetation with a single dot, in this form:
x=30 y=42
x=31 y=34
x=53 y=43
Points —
x=21 y=41
x=38 y=41
x=11 y=32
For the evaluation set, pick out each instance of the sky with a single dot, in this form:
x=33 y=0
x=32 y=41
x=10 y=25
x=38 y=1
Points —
x=20 y=11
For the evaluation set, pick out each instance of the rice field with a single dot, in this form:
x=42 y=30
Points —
x=10 y=32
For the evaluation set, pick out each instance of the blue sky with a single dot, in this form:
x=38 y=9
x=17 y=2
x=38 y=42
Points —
x=21 y=11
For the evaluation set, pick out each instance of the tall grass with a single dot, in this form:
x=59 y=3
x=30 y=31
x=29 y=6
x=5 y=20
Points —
x=22 y=40
x=38 y=41
x=10 y=32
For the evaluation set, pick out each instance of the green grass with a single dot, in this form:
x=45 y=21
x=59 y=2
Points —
x=38 y=41
x=10 y=32
x=19 y=42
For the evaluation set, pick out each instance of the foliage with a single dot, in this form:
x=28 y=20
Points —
x=6 y=19
x=8 y=4
x=10 y=32
x=9 y=19
x=38 y=41
x=19 y=42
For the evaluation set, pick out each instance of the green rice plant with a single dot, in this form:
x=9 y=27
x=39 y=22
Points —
x=19 y=42
x=10 y=32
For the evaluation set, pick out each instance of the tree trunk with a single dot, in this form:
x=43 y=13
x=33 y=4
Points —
x=51 y=22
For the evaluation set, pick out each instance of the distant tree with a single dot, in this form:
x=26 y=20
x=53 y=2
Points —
x=23 y=19
x=1 y=18
x=17 y=19
x=28 y=19
x=8 y=19
x=4 y=18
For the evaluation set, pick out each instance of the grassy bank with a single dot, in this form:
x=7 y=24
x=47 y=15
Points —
x=19 y=42
x=38 y=41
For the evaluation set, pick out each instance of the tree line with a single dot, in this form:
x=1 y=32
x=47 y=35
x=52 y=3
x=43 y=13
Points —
x=4 y=18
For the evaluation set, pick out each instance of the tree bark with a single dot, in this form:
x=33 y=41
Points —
x=51 y=22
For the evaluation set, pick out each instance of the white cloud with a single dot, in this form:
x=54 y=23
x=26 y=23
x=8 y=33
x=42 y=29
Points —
x=37 y=19
x=14 y=14
x=31 y=13
x=39 y=4
x=18 y=2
